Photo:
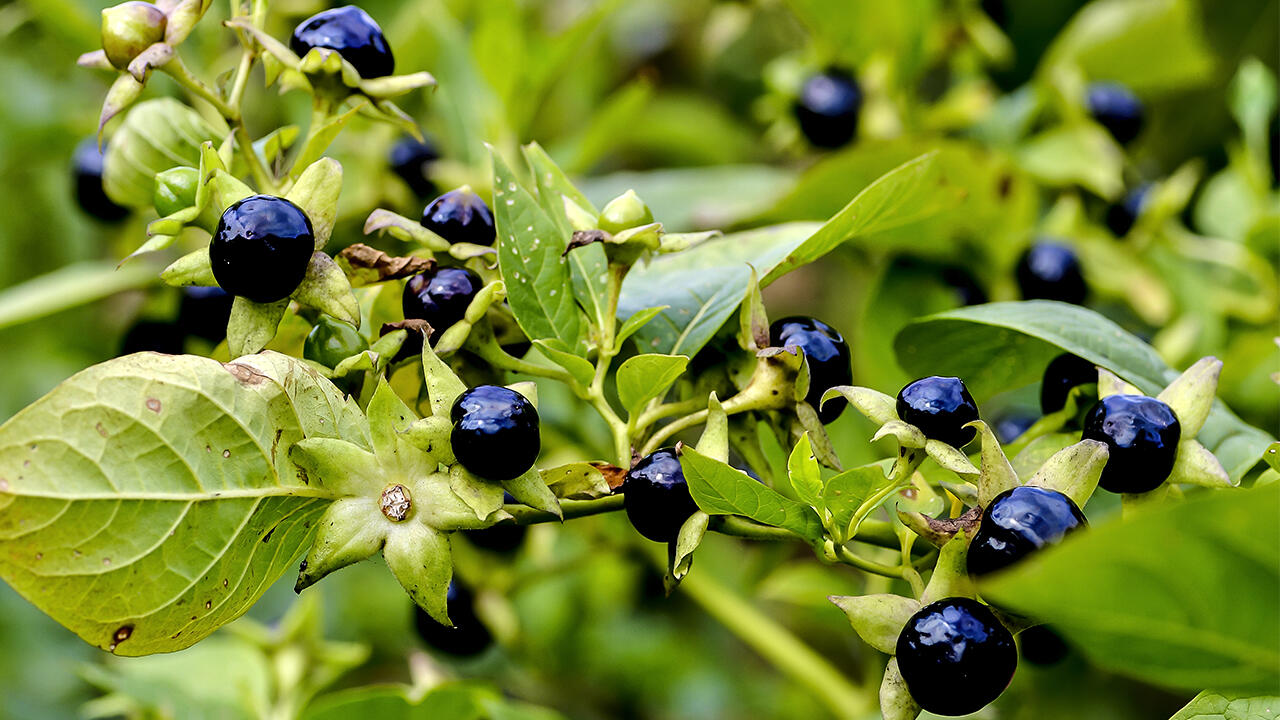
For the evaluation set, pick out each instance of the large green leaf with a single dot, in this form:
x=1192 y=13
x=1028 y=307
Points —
x=531 y=252
x=645 y=377
x=720 y=489
x=1210 y=705
x=149 y=500
x=1185 y=596
x=1004 y=345
x=702 y=287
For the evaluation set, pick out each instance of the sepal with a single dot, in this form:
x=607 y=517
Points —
x=878 y=619
x=351 y=530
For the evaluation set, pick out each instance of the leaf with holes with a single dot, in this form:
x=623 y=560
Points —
x=149 y=500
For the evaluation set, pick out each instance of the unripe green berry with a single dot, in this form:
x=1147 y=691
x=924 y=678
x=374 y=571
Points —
x=129 y=28
x=176 y=190
x=624 y=212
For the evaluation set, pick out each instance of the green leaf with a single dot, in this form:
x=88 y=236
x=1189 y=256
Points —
x=576 y=481
x=703 y=286
x=581 y=370
x=720 y=489
x=1008 y=344
x=846 y=492
x=534 y=267
x=806 y=477
x=316 y=192
x=1081 y=154
x=1182 y=596
x=253 y=324
x=635 y=322
x=149 y=500
x=645 y=377
x=910 y=192
x=1211 y=705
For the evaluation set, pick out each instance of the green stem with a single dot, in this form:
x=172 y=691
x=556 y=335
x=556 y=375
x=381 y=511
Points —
x=482 y=342
x=908 y=460
x=241 y=81
x=849 y=557
x=259 y=171
x=777 y=645
x=654 y=414
x=177 y=70
x=524 y=515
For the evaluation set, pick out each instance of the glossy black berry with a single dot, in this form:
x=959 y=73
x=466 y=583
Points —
x=827 y=108
x=86 y=164
x=261 y=248
x=1040 y=645
x=499 y=538
x=955 y=656
x=1062 y=374
x=1122 y=216
x=460 y=216
x=153 y=336
x=1018 y=522
x=440 y=297
x=495 y=432
x=205 y=311
x=657 y=497
x=940 y=407
x=827 y=354
x=353 y=34
x=968 y=290
x=411 y=159
x=1049 y=271
x=1116 y=108
x=1141 y=434
x=1010 y=427
x=332 y=341
x=467 y=637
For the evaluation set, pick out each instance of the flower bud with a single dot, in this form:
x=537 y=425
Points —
x=624 y=212
x=129 y=28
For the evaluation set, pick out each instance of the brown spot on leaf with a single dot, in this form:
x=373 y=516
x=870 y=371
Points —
x=153 y=404
x=122 y=633
x=422 y=327
x=365 y=265
x=226 y=453
x=245 y=374
x=4 y=485
x=106 y=562
x=101 y=429
x=208 y=604
x=613 y=474
x=1004 y=185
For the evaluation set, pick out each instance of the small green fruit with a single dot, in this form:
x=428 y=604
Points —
x=129 y=28
x=175 y=190
x=624 y=212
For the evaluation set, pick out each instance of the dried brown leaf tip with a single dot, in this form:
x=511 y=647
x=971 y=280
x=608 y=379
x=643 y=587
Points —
x=365 y=265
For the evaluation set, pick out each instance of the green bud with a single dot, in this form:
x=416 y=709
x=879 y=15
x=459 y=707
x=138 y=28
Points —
x=332 y=341
x=128 y=29
x=624 y=212
x=175 y=190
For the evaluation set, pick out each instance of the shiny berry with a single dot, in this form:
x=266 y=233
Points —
x=827 y=354
x=1141 y=434
x=205 y=312
x=1018 y=522
x=1064 y=372
x=460 y=216
x=940 y=407
x=467 y=637
x=499 y=538
x=440 y=297
x=411 y=160
x=1049 y=271
x=495 y=432
x=955 y=656
x=1116 y=108
x=261 y=248
x=1040 y=645
x=1122 y=216
x=332 y=341
x=353 y=34
x=87 y=169
x=827 y=108
x=153 y=336
x=656 y=496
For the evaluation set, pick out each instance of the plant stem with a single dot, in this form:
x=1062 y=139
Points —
x=849 y=557
x=654 y=414
x=900 y=474
x=777 y=645
x=266 y=183
x=524 y=515
x=178 y=71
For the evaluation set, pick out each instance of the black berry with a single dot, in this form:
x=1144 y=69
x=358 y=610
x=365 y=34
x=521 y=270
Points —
x=495 y=432
x=87 y=165
x=332 y=341
x=1062 y=374
x=410 y=159
x=1010 y=426
x=353 y=34
x=1116 y=108
x=940 y=407
x=827 y=108
x=499 y=538
x=440 y=297
x=205 y=312
x=827 y=354
x=1141 y=434
x=955 y=656
x=1049 y=271
x=1122 y=216
x=467 y=637
x=460 y=216
x=657 y=497
x=1040 y=645
x=968 y=290
x=261 y=248
x=1018 y=522
x=153 y=336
